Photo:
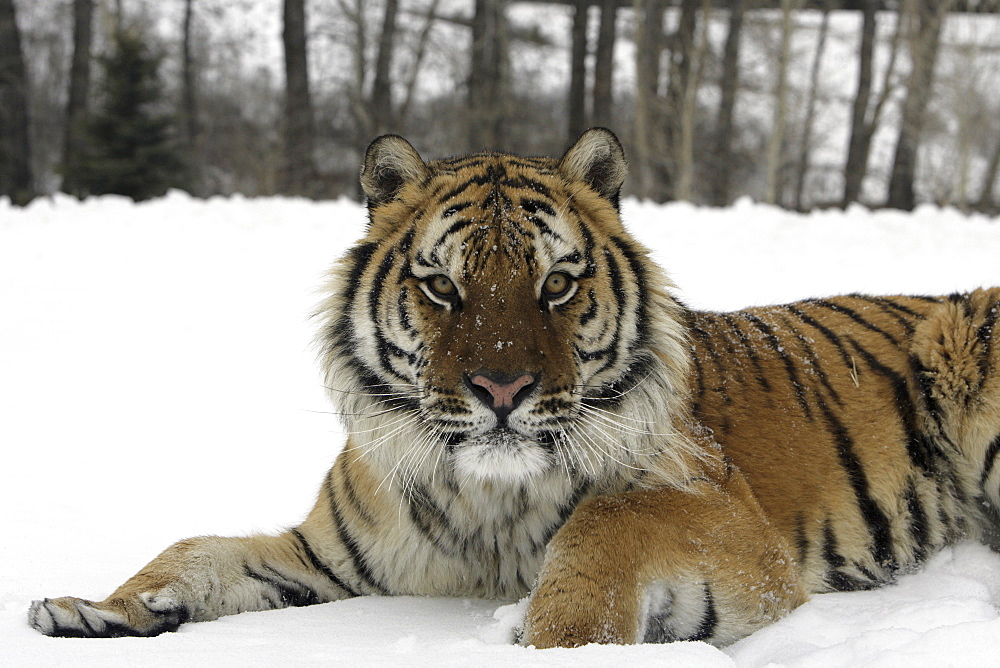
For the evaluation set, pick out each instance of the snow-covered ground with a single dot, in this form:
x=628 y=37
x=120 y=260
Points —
x=157 y=382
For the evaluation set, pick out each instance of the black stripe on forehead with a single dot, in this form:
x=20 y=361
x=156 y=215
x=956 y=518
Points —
x=496 y=172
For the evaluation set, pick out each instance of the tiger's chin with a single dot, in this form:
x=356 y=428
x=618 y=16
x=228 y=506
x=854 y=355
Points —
x=501 y=456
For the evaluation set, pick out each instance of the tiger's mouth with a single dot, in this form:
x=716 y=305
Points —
x=502 y=454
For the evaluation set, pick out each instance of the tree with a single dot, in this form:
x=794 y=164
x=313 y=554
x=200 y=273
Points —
x=604 y=64
x=488 y=83
x=805 y=146
x=299 y=169
x=577 y=122
x=16 y=179
x=189 y=93
x=857 y=149
x=129 y=147
x=681 y=102
x=78 y=103
x=925 y=21
x=722 y=153
x=649 y=142
x=381 y=101
x=776 y=142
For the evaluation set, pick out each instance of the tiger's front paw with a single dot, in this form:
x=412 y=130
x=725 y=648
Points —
x=146 y=615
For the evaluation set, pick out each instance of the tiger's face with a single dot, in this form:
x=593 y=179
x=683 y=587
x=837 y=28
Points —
x=496 y=321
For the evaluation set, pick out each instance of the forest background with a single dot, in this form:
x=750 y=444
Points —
x=799 y=103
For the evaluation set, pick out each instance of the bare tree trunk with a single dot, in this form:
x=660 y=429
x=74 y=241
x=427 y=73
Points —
x=681 y=67
x=857 y=150
x=79 y=93
x=418 y=59
x=299 y=170
x=381 y=102
x=578 y=71
x=695 y=57
x=648 y=142
x=604 y=64
x=189 y=98
x=777 y=140
x=722 y=152
x=807 y=124
x=926 y=19
x=16 y=180
x=986 y=201
x=488 y=75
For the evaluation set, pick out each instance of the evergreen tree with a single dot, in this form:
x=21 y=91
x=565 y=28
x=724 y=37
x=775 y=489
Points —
x=129 y=144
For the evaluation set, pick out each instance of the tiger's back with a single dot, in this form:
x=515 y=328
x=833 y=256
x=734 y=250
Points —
x=830 y=408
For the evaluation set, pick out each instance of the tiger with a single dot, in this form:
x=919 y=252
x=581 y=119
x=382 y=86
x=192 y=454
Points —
x=532 y=413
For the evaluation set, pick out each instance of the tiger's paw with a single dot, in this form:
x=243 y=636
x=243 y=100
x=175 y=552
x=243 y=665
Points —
x=68 y=617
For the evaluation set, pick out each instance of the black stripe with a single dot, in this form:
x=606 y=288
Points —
x=709 y=619
x=919 y=529
x=588 y=245
x=359 y=507
x=825 y=331
x=741 y=336
x=360 y=257
x=873 y=515
x=921 y=450
x=433 y=523
x=836 y=579
x=378 y=284
x=801 y=539
x=591 y=311
x=455 y=208
x=316 y=563
x=290 y=592
x=457 y=226
x=354 y=550
x=814 y=361
x=533 y=206
x=793 y=374
x=892 y=303
x=699 y=376
x=925 y=383
x=639 y=275
x=985 y=337
x=855 y=316
x=893 y=310
x=455 y=192
x=990 y=460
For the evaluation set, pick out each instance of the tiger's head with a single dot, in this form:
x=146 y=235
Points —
x=497 y=322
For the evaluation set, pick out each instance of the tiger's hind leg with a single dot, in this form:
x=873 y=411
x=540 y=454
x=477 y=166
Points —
x=663 y=565
x=956 y=354
x=197 y=580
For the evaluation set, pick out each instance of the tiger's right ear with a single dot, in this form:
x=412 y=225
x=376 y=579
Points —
x=390 y=163
x=597 y=159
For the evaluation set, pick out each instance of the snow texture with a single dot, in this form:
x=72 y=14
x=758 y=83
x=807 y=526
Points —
x=157 y=382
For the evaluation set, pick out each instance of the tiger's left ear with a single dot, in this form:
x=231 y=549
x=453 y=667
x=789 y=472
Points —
x=391 y=162
x=597 y=159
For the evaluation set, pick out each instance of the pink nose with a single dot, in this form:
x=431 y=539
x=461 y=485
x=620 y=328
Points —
x=503 y=393
x=499 y=392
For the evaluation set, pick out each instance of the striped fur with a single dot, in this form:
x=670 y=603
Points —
x=530 y=411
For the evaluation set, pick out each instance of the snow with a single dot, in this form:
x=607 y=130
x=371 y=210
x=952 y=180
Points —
x=157 y=382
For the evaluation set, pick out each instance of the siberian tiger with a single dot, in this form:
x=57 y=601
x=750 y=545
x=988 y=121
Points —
x=531 y=412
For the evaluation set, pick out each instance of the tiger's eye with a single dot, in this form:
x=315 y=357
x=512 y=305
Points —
x=442 y=286
x=556 y=285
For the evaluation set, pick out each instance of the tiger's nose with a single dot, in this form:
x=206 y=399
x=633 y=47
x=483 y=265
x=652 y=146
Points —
x=500 y=392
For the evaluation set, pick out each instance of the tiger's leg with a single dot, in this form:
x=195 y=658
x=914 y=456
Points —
x=956 y=353
x=663 y=565
x=200 y=579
